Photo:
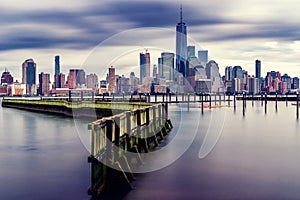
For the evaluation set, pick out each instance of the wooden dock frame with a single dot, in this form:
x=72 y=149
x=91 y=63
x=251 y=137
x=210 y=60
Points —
x=138 y=131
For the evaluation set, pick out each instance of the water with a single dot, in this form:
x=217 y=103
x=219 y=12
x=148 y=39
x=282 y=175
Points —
x=255 y=157
x=41 y=157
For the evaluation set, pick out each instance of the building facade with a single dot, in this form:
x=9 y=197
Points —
x=144 y=66
x=181 y=47
x=44 y=84
x=29 y=76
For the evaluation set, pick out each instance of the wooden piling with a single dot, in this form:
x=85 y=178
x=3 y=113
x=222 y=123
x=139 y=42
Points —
x=234 y=102
x=188 y=102
x=266 y=99
x=276 y=100
x=202 y=105
x=244 y=103
x=297 y=106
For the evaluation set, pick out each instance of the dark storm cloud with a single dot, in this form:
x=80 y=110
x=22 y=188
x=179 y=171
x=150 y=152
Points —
x=284 y=32
x=90 y=25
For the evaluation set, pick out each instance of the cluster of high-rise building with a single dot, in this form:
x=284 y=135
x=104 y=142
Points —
x=183 y=71
x=237 y=80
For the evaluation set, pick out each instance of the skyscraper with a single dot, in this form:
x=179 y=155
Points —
x=257 y=68
x=203 y=57
x=44 y=81
x=57 y=76
x=57 y=65
x=29 y=76
x=237 y=72
x=181 y=47
x=191 y=51
x=166 y=66
x=228 y=73
x=154 y=72
x=253 y=85
x=295 y=84
x=92 y=81
x=6 y=78
x=144 y=66
x=111 y=80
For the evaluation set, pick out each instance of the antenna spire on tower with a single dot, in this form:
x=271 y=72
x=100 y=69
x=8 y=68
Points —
x=180 y=13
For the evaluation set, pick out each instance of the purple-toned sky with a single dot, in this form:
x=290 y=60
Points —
x=234 y=32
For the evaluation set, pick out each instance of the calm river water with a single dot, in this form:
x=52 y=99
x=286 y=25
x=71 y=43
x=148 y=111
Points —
x=253 y=157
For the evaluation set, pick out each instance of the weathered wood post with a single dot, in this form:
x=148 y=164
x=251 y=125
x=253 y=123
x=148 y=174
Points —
x=297 y=105
x=128 y=130
x=202 y=104
x=149 y=97
x=81 y=95
x=209 y=100
x=244 y=103
x=108 y=145
x=166 y=110
x=215 y=99
x=117 y=124
x=234 y=101
x=154 y=126
x=160 y=114
x=93 y=97
x=188 y=102
x=276 y=99
x=266 y=103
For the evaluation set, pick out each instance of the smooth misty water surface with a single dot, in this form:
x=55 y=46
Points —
x=256 y=156
x=41 y=157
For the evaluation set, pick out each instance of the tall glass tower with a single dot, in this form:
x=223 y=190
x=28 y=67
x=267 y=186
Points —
x=144 y=66
x=57 y=65
x=257 y=68
x=181 y=47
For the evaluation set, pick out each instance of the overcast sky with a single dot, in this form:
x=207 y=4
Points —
x=234 y=33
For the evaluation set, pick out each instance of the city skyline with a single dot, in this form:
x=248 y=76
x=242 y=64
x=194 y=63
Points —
x=251 y=30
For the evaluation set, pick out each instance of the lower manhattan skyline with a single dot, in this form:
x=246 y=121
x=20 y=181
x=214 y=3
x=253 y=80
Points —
x=233 y=33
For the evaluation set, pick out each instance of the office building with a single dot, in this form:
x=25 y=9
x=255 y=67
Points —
x=191 y=51
x=257 y=68
x=253 y=85
x=6 y=78
x=203 y=57
x=181 y=47
x=144 y=66
x=237 y=72
x=57 y=65
x=44 y=84
x=29 y=76
x=295 y=83
x=92 y=81
x=166 y=66
x=111 y=80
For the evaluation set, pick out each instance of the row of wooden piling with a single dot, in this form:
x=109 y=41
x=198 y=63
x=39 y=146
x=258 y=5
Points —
x=138 y=131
